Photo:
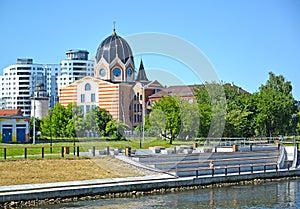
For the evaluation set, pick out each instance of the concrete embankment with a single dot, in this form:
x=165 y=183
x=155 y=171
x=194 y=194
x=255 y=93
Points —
x=122 y=185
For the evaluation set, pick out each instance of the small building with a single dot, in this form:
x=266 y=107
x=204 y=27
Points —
x=14 y=127
x=39 y=102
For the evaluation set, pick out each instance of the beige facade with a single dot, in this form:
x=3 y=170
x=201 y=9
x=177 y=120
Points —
x=126 y=102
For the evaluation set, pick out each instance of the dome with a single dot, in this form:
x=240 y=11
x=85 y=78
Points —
x=112 y=47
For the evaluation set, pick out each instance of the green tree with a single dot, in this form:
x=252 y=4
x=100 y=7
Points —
x=190 y=120
x=275 y=105
x=38 y=125
x=102 y=117
x=212 y=109
x=59 y=121
x=239 y=112
x=76 y=123
x=63 y=121
x=171 y=109
x=46 y=125
x=116 y=129
x=96 y=121
x=204 y=108
x=298 y=119
x=157 y=122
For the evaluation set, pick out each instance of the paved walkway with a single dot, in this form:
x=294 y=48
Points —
x=120 y=185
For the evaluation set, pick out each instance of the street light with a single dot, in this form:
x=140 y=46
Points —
x=51 y=130
x=33 y=118
x=294 y=116
x=140 y=116
x=143 y=110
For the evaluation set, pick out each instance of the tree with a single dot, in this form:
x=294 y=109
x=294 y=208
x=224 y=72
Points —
x=102 y=117
x=71 y=121
x=239 y=112
x=157 y=122
x=58 y=122
x=76 y=123
x=212 y=109
x=190 y=121
x=298 y=118
x=96 y=121
x=73 y=115
x=171 y=109
x=38 y=125
x=116 y=129
x=275 y=105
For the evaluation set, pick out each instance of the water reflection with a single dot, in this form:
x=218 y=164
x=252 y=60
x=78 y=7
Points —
x=275 y=194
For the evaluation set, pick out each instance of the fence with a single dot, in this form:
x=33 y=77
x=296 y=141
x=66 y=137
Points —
x=23 y=152
x=225 y=170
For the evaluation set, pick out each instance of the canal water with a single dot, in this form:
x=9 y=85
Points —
x=271 y=194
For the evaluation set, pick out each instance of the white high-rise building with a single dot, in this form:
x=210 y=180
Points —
x=18 y=82
x=74 y=67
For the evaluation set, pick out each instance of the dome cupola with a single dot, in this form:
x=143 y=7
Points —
x=114 y=60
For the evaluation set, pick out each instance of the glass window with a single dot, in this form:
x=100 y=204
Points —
x=93 y=98
x=141 y=97
x=88 y=108
x=82 y=98
x=93 y=106
x=134 y=107
x=117 y=72
x=87 y=87
x=82 y=108
x=134 y=97
x=141 y=107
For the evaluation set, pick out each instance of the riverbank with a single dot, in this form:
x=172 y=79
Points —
x=123 y=187
x=134 y=194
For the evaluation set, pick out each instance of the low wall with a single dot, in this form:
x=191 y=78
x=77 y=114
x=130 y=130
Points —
x=65 y=189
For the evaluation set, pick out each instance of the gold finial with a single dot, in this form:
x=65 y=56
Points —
x=114 y=31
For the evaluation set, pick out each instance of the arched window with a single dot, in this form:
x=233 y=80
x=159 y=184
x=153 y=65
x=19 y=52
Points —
x=87 y=87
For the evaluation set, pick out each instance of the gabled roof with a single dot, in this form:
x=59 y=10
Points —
x=183 y=91
x=86 y=78
x=240 y=89
x=187 y=90
x=154 y=84
x=11 y=112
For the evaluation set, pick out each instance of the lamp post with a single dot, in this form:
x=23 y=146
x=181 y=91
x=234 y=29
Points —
x=143 y=111
x=294 y=116
x=51 y=130
x=139 y=119
x=34 y=134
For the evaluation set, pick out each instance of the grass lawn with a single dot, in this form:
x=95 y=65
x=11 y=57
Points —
x=34 y=151
x=59 y=170
x=17 y=170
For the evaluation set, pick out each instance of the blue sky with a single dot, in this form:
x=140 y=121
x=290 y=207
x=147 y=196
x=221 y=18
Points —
x=244 y=40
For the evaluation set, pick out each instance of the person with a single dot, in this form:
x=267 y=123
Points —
x=211 y=165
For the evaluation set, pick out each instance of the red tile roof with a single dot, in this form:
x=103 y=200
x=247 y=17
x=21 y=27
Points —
x=11 y=112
